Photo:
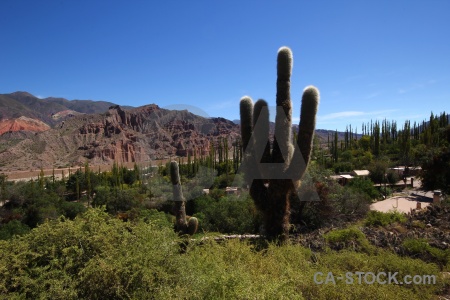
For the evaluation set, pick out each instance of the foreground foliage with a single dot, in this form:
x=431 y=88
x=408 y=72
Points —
x=96 y=256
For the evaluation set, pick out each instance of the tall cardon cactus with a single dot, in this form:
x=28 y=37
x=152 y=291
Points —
x=274 y=171
x=182 y=225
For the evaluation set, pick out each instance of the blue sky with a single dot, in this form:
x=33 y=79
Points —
x=369 y=59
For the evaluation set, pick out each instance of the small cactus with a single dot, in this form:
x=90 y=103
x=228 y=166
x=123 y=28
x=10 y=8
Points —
x=182 y=225
x=274 y=173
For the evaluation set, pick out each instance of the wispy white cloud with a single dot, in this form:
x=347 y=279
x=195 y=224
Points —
x=353 y=114
x=340 y=115
x=344 y=115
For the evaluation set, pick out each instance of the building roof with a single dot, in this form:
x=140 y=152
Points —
x=347 y=176
x=231 y=188
x=361 y=172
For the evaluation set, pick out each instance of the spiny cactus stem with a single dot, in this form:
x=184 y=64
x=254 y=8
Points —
x=273 y=199
x=181 y=224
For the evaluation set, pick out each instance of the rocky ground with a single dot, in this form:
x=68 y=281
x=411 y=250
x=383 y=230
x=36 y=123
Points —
x=431 y=224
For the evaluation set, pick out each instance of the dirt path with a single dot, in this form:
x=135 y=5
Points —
x=405 y=201
x=402 y=204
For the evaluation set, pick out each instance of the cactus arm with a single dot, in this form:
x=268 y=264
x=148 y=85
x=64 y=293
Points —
x=283 y=148
x=192 y=226
x=261 y=134
x=249 y=117
x=245 y=108
x=310 y=103
x=179 y=207
x=261 y=152
x=308 y=111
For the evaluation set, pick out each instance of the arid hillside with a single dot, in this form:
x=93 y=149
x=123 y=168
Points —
x=22 y=124
x=137 y=135
x=48 y=110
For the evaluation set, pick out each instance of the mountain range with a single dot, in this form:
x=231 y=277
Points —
x=56 y=132
x=73 y=132
x=24 y=104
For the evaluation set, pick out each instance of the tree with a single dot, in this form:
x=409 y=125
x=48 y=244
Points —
x=335 y=147
x=3 y=193
x=405 y=144
x=376 y=134
x=364 y=142
x=87 y=177
x=377 y=170
x=436 y=170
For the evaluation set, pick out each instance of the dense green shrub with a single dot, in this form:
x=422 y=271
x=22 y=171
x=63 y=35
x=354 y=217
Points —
x=96 y=256
x=350 y=237
x=377 y=218
x=328 y=200
x=93 y=257
x=156 y=217
x=348 y=201
x=230 y=214
x=117 y=200
x=364 y=185
x=72 y=209
x=12 y=228
x=392 y=177
x=421 y=248
x=343 y=166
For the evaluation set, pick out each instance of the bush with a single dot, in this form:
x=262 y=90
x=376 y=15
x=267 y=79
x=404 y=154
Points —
x=377 y=218
x=421 y=248
x=348 y=201
x=333 y=200
x=72 y=209
x=348 y=238
x=344 y=235
x=158 y=218
x=364 y=185
x=415 y=246
x=117 y=200
x=392 y=177
x=96 y=256
x=13 y=228
x=93 y=257
x=228 y=215
x=343 y=166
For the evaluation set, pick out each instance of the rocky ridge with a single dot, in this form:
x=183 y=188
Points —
x=22 y=124
x=137 y=135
